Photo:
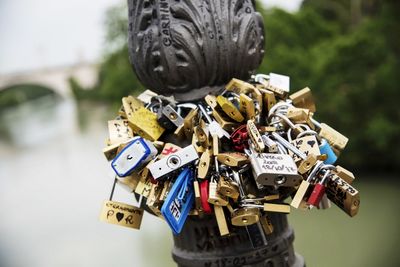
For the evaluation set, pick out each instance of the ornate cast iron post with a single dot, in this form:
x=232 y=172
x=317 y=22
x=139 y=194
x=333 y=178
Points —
x=190 y=48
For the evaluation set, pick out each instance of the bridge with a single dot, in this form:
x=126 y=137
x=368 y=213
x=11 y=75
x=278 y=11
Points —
x=55 y=78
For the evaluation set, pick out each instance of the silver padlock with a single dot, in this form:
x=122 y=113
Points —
x=274 y=170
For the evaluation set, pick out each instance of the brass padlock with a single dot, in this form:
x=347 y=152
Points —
x=238 y=86
x=144 y=123
x=245 y=216
x=221 y=220
x=229 y=109
x=153 y=200
x=211 y=100
x=143 y=188
x=255 y=136
x=225 y=122
x=307 y=164
x=306 y=144
x=298 y=200
x=119 y=131
x=247 y=106
x=334 y=138
x=280 y=208
x=216 y=145
x=204 y=164
x=343 y=195
x=233 y=159
x=228 y=189
x=130 y=181
x=300 y=115
x=190 y=121
x=269 y=99
x=131 y=105
x=215 y=197
x=303 y=99
x=121 y=214
x=346 y=175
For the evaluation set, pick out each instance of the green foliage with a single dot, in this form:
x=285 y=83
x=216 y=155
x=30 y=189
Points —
x=347 y=52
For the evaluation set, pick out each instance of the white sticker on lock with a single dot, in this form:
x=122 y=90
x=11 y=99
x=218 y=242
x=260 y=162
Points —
x=133 y=156
x=274 y=169
x=280 y=81
x=173 y=162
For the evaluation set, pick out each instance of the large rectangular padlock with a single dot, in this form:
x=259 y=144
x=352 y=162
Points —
x=303 y=99
x=274 y=169
x=343 y=195
x=173 y=161
x=306 y=144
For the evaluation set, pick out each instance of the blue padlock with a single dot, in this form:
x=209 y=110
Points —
x=325 y=148
x=179 y=201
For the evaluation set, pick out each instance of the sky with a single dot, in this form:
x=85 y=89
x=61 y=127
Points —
x=37 y=34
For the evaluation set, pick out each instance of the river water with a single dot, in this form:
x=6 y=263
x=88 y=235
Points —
x=53 y=181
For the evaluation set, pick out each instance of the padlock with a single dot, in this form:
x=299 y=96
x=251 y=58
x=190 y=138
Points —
x=131 y=105
x=280 y=208
x=245 y=216
x=229 y=108
x=343 y=195
x=247 y=106
x=202 y=134
x=298 y=199
x=169 y=118
x=197 y=195
x=143 y=188
x=144 y=123
x=224 y=121
x=300 y=115
x=228 y=188
x=255 y=136
x=129 y=182
x=204 y=187
x=303 y=99
x=280 y=81
x=233 y=159
x=110 y=151
x=216 y=145
x=153 y=200
x=211 y=101
x=274 y=169
x=271 y=145
x=221 y=220
x=189 y=122
x=119 y=131
x=307 y=144
x=121 y=214
x=269 y=99
x=318 y=191
x=173 y=162
x=326 y=149
x=346 y=175
x=133 y=156
x=307 y=164
x=238 y=86
x=204 y=165
x=214 y=196
x=334 y=138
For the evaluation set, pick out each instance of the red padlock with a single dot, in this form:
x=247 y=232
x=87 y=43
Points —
x=318 y=191
x=204 y=197
x=239 y=138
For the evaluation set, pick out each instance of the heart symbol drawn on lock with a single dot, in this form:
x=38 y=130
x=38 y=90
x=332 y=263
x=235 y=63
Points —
x=119 y=216
x=311 y=143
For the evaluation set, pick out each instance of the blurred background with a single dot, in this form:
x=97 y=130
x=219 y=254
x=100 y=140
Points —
x=64 y=69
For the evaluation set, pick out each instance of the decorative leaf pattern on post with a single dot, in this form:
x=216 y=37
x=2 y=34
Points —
x=189 y=48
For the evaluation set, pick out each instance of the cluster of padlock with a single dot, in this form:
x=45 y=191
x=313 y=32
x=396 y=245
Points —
x=242 y=154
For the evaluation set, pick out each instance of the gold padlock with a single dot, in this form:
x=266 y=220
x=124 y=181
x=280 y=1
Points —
x=280 y=208
x=307 y=164
x=221 y=220
x=306 y=144
x=121 y=214
x=269 y=99
x=110 y=152
x=343 y=195
x=245 y=216
x=211 y=100
x=334 y=138
x=153 y=200
x=238 y=86
x=215 y=197
x=298 y=199
x=143 y=188
x=130 y=181
x=300 y=115
x=247 y=106
x=224 y=121
x=228 y=189
x=190 y=121
x=233 y=159
x=119 y=131
x=303 y=99
x=144 y=123
x=131 y=105
x=255 y=136
x=229 y=109
x=216 y=145
x=282 y=94
x=204 y=164
x=346 y=175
